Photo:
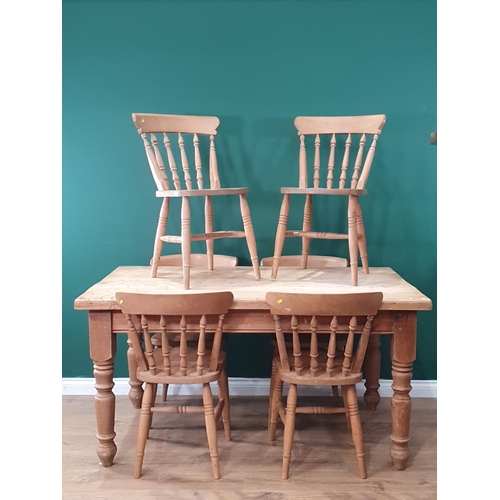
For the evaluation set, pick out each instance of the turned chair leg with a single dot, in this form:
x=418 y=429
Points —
x=291 y=406
x=144 y=426
x=352 y=232
x=346 y=406
x=275 y=404
x=160 y=231
x=211 y=426
x=357 y=433
x=223 y=385
x=249 y=234
x=209 y=228
x=280 y=234
x=361 y=238
x=186 y=241
x=271 y=391
x=306 y=226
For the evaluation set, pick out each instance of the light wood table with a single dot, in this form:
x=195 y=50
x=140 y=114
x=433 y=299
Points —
x=250 y=314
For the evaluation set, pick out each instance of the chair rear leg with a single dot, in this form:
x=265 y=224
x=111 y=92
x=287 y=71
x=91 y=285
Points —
x=280 y=234
x=306 y=226
x=361 y=239
x=160 y=231
x=249 y=234
x=357 y=433
x=224 y=393
x=211 y=427
x=164 y=393
x=144 y=426
x=136 y=391
x=277 y=390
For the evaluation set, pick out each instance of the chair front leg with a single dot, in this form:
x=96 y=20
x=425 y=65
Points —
x=361 y=238
x=160 y=231
x=280 y=234
x=249 y=234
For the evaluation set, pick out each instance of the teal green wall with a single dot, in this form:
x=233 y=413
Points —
x=256 y=65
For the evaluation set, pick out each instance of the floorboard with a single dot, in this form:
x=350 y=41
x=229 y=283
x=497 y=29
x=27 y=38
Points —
x=177 y=464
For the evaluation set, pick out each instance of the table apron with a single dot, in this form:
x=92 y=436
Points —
x=261 y=321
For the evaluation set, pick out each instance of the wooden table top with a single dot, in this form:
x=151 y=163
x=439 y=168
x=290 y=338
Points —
x=249 y=293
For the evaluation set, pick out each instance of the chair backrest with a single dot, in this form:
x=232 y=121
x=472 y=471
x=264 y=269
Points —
x=144 y=312
x=336 y=127
x=198 y=260
x=303 y=311
x=180 y=125
x=313 y=261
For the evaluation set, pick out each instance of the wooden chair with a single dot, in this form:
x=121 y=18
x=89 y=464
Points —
x=200 y=312
x=335 y=128
x=306 y=314
x=197 y=126
x=313 y=261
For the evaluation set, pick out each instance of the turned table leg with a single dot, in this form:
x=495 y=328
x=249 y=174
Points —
x=403 y=353
x=102 y=352
x=371 y=370
x=136 y=390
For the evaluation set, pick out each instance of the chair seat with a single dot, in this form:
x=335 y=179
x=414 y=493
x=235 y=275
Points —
x=176 y=377
x=329 y=191
x=321 y=378
x=172 y=193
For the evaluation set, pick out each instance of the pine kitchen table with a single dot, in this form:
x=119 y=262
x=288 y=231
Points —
x=250 y=314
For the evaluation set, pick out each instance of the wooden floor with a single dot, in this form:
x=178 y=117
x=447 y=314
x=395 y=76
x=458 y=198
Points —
x=177 y=464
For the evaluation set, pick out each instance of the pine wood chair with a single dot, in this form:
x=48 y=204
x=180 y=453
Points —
x=313 y=262
x=305 y=314
x=179 y=365
x=197 y=126
x=335 y=127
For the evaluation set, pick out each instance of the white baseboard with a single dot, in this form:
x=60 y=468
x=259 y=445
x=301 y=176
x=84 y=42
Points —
x=243 y=387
